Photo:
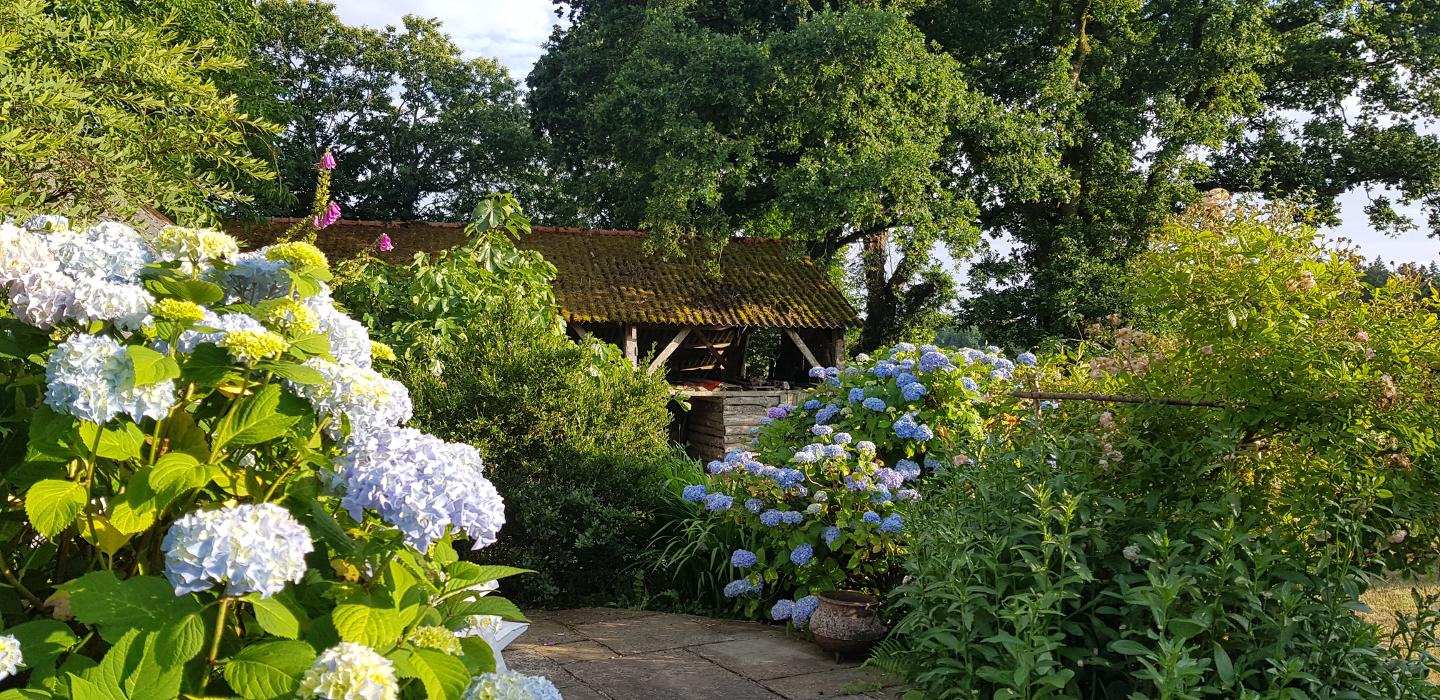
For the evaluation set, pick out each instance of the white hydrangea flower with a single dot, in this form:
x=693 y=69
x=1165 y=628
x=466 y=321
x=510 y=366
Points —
x=251 y=548
x=90 y=377
x=126 y=305
x=483 y=626
x=510 y=685
x=222 y=323
x=193 y=246
x=253 y=278
x=84 y=277
x=349 y=340
x=367 y=399
x=110 y=251
x=10 y=656
x=350 y=671
x=419 y=484
x=47 y=222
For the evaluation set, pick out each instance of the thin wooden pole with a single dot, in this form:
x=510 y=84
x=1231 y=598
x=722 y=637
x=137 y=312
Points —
x=804 y=349
x=669 y=348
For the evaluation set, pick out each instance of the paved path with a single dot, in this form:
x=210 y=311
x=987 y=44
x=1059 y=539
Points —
x=614 y=654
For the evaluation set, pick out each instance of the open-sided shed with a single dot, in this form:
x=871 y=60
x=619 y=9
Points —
x=676 y=313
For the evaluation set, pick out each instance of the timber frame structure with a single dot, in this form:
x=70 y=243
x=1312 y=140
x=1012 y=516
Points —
x=695 y=321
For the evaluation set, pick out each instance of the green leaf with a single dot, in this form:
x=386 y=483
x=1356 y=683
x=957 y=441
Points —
x=444 y=676
x=52 y=434
x=121 y=443
x=151 y=367
x=463 y=574
x=1223 y=666
x=269 y=669
x=207 y=365
x=297 y=373
x=41 y=642
x=199 y=291
x=492 y=605
x=377 y=628
x=53 y=504
x=1129 y=647
x=307 y=346
x=254 y=421
x=181 y=641
x=278 y=614
x=178 y=472
x=81 y=689
x=145 y=603
x=477 y=655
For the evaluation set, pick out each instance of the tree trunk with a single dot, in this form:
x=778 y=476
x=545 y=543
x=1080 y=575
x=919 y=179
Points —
x=881 y=304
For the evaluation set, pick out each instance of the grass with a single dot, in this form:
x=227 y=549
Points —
x=1393 y=597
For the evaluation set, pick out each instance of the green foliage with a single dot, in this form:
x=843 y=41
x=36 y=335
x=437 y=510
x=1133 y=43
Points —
x=419 y=131
x=574 y=436
x=107 y=114
x=1165 y=550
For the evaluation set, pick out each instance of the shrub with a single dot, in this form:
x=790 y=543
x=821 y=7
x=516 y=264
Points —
x=854 y=454
x=207 y=488
x=1165 y=550
x=574 y=433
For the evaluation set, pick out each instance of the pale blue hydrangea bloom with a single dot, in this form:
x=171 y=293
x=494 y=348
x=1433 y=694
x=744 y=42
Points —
x=913 y=391
x=694 y=493
x=892 y=523
x=779 y=412
x=792 y=517
x=10 y=656
x=782 y=609
x=510 y=685
x=1027 y=358
x=213 y=328
x=419 y=484
x=1000 y=374
x=821 y=430
x=833 y=450
x=824 y=415
x=743 y=586
x=110 y=252
x=814 y=509
x=743 y=559
x=908 y=468
x=251 y=548
x=754 y=505
x=349 y=340
x=252 y=278
x=905 y=378
x=804 y=608
x=718 y=501
x=891 y=478
x=808 y=456
x=907 y=495
x=902 y=347
x=802 y=554
x=969 y=384
x=871 y=517
x=933 y=361
x=842 y=438
x=812 y=404
x=350 y=671
x=817 y=372
x=830 y=533
x=771 y=518
x=91 y=377
x=875 y=403
x=856 y=395
x=865 y=447
x=364 y=398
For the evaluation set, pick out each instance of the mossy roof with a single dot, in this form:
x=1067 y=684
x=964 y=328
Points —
x=605 y=276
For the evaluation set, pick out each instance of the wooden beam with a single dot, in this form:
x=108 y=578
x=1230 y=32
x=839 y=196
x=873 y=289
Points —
x=838 y=347
x=669 y=348
x=802 y=347
x=580 y=331
x=632 y=344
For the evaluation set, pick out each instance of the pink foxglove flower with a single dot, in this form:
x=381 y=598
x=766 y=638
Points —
x=385 y=245
x=331 y=215
x=327 y=161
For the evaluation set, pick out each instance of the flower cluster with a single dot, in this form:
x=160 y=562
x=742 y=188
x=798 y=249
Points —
x=51 y=274
x=350 y=671
x=355 y=395
x=10 y=656
x=246 y=548
x=419 y=484
x=435 y=637
x=509 y=685
x=200 y=247
x=92 y=378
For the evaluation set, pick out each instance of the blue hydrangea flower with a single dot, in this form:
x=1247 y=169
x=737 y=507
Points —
x=782 y=610
x=355 y=395
x=506 y=685
x=875 y=403
x=842 y=438
x=891 y=478
x=718 y=501
x=737 y=588
x=996 y=374
x=902 y=347
x=807 y=456
x=857 y=482
x=892 y=523
x=969 y=384
x=923 y=433
x=743 y=559
x=830 y=533
x=871 y=517
x=879 y=494
x=865 y=447
x=905 y=378
x=883 y=369
x=833 y=450
x=825 y=414
x=419 y=484
x=92 y=378
x=804 y=608
x=908 y=468
x=778 y=412
x=908 y=495
x=802 y=554
x=792 y=517
x=694 y=493
x=251 y=548
x=817 y=372
x=812 y=404
x=771 y=518
x=1026 y=358
x=754 y=505
x=821 y=430
x=856 y=395
x=933 y=361
x=913 y=391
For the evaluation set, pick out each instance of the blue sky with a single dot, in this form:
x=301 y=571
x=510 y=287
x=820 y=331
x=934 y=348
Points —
x=514 y=31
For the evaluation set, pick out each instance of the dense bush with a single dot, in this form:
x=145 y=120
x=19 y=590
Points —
x=574 y=434
x=1162 y=550
x=854 y=454
x=207 y=490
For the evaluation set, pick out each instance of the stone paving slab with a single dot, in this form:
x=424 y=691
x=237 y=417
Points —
x=614 y=654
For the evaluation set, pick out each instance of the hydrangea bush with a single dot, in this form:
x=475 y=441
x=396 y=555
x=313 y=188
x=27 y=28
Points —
x=209 y=489
x=820 y=502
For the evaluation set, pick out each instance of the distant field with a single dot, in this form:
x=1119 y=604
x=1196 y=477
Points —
x=1391 y=597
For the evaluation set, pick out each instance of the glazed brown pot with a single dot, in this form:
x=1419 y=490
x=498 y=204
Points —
x=847 y=623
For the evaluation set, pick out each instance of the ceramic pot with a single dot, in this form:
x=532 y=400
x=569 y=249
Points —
x=847 y=623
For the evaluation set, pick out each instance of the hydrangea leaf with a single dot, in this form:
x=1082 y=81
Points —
x=53 y=504
x=268 y=670
x=151 y=367
x=145 y=603
x=464 y=574
x=121 y=443
x=296 y=373
x=278 y=614
x=254 y=421
x=308 y=346
x=199 y=291
x=41 y=642
x=104 y=535
x=52 y=434
x=443 y=675
x=182 y=640
x=477 y=655
x=375 y=627
x=207 y=365
x=82 y=689
x=492 y=605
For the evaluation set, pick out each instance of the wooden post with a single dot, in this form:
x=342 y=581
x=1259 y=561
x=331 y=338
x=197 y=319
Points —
x=802 y=347
x=632 y=344
x=837 y=346
x=579 y=331
x=669 y=348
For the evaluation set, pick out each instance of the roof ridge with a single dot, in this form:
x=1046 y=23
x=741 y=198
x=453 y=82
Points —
x=370 y=222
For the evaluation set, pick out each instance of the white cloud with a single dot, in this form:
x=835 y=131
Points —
x=512 y=31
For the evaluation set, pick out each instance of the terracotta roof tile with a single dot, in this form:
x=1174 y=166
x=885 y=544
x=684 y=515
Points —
x=604 y=276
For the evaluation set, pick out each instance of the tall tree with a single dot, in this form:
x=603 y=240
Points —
x=102 y=115
x=1149 y=103
x=419 y=131
x=697 y=120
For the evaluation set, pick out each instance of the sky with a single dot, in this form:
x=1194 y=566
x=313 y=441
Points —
x=514 y=31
